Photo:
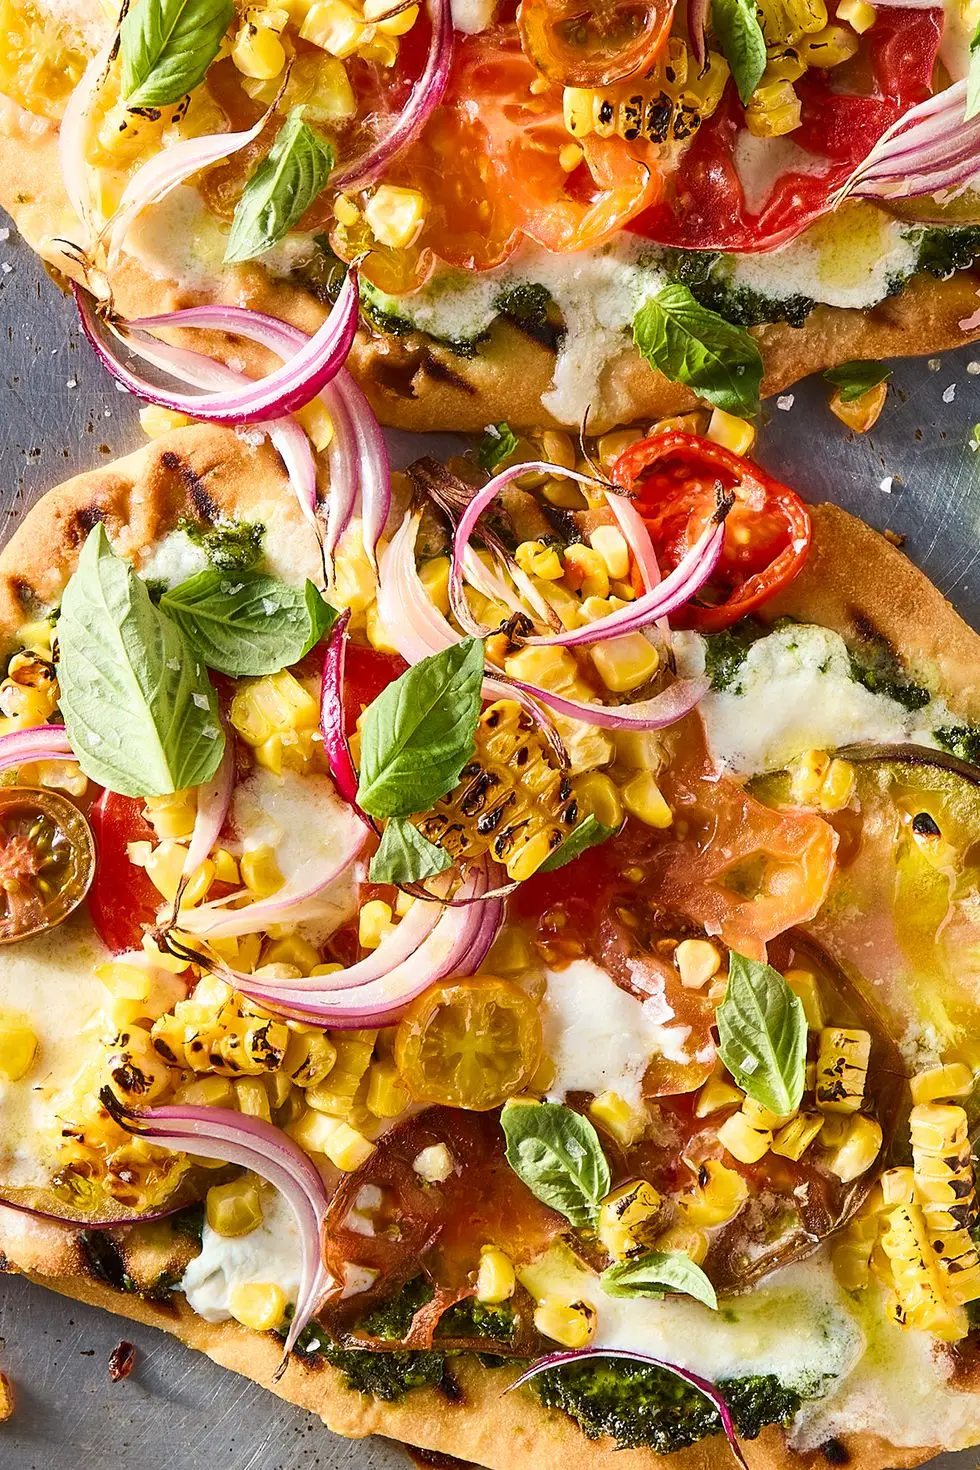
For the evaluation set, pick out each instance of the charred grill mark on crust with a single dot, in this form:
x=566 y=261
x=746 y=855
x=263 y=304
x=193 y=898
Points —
x=202 y=502
x=103 y=1259
x=85 y=519
x=868 y=631
x=169 y=460
x=435 y=368
x=835 y=1453
x=24 y=592
x=450 y=1389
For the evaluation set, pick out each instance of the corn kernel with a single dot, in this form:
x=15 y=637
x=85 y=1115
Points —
x=804 y=985
x=743 y=1140
x=858 y=1151
x=495 y=1278
x=585 y=571
x=511 y=953
x=955 y=1079
x=898 y=1186
x=698 y=961
x=640 y=750
x=155 y=421
x=272 y=705
x=207 y=1092
x=260 y=871
x=626 y=662
x=234 y=1209
x=773 y=111
x=620 y=1118
x=396 y=215
x=434 y=576
x=252 y=1098
x=258 y=1305
x=309 y=1058
x=335 y=27
x=373 y=922
x=796 y=1136
x=628 y=1218
x=643 y=799
x=612 y=546
x=598 y=796
x=685 y=1238
x=842 y=1068
x=379 y=48
x=717 y=1093
x=377 y=11
x=18 y=1046
x=718 y=1195
x=569 y=157
x=572 y=1324
x=258 y=52
x=858 y=14
x=346 y=211
x=734 y=434
x=610 y=446
x=434 y=1164
x=539 y=560
x=387 y=1095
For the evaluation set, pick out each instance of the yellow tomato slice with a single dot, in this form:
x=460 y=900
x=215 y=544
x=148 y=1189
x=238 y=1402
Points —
x=469 y=1043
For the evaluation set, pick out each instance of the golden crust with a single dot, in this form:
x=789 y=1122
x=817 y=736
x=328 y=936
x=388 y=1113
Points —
x=415 y=384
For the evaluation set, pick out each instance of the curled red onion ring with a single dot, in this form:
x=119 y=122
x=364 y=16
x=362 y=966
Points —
x=283 y=391
x=424 y=99
x=332 y=721
x=704 y=1385
x=698 y=12
x=40 y=743
x=931 y=147
x=237 y=1138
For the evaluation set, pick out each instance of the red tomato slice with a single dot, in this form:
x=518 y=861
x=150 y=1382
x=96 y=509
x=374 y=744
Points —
x=676 y=479
x=122 y=901
x=366 y=673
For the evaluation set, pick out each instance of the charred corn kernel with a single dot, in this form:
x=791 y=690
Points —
x=215 y=1030
x=496 y=1280
x=292 y=950
x=18 y=1046
x=207 y=1092
x=137 y=1072
x=434 y=1164
x=258 y=52
x=373 y=922
x=686 y=1238
x=335 y=27
x=794 y=1138
x=613 y=547
x=572 y=1324
x=858 y=1151
x=627 y=1123
x=396 y=215
x=955 y=1079
x=698 y=961
x=625 y=663
x=155 y=421
x=671 y=103
x=434 y=576
x=717 y=1093
x=378 y=12
x=785 y=21
x=387 y=1095
x=234 y=1209
x=336 y=1095
x=803 y=984
x=920 y=1298
x=644 y=800
x=744 y=1140
x=897 y=1186
x=858 y=14
x=258 y=1305
x=943 y=1173
x=585 y=571
x=773 y=111
x=511 y=800
x=842 y=1069
x=252 y=1098
x=539 y=560
x=260 y=871
x=628 y=1218
x=309 y=1058
x=732 y=433
x=598 y=796
x=717 y=1196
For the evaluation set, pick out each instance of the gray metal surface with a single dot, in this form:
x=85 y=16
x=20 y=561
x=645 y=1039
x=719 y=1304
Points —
x=59 y=414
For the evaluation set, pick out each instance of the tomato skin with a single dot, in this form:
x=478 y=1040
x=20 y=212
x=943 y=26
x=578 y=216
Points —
x=366 y=673
x=675 y=478
x=122 y=901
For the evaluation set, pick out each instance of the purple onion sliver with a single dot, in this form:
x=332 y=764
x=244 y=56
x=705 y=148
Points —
x=213 y=801
x=697 y=21
x=40 y=743
x=332 y=721
x=664 y=709
x=75 y=1222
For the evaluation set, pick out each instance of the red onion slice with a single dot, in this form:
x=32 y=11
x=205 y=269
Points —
x=704 y=1385
x=213 y=801
x=40 y=743
x=663 y=709
x=71 y=135
x=425 y=97
x=931 y=147
x=283 y=391
x=332 y=718
x=237 y=1138
x=698 y=12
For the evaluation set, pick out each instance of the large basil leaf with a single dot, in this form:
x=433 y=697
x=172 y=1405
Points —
x=690 y=344
x=247 y=623
x=558 y=1155
x=736 y=24
x=656 y=1273
x=762 y=1035
x=280 y=190
x=166 y=46
x=589 y=833
x=419 y=733
x=139 y=709
x=405 y=856
x=853 y=379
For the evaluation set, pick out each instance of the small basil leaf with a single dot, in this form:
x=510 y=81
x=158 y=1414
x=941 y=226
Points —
x=557 y=1153
x=419 y=733
x=656 y=1273
x=762 y=1035
x=854 y=379
x=589 y=833
x=245 y=623
x=497 y=444
x=405 y=856
x=139 y=709
x=280 y=190
x=736 y=25
x=692 y=345
x=973 y=78
x=166 y=46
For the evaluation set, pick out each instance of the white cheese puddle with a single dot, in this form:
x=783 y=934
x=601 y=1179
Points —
x=269 y=1254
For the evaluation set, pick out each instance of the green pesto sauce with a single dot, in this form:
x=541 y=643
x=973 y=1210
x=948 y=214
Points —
x=230 y=546
x=879 y=671
x=960 y=740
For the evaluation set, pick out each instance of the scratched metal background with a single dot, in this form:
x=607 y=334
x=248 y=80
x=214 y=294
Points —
x=59 y=414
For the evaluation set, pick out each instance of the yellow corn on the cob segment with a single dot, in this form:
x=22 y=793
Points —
x=842 y=1069
x=851 y=1252
x=942 y=1169
x=671 y=104
x=511 y=801
x=785 y=21
x=920 y=1299
x=215 y=1030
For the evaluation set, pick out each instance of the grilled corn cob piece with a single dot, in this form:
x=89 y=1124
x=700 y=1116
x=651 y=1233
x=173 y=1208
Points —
x=215 y=1030
x=671 y=104
x=920 y=1299
x=511 y=801
x=842 y=1069
x=785 y=21
x=943 y=1174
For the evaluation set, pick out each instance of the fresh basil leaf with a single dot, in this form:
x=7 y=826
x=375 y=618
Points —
x=280 y=190
x=762 y=1031
x=656 y=1273
x=418 y=734
x=854 y=379
x=245 y=623
x=736 y=25
x=405 y=856
x=497 y=444
x=558 y=1155
x=589 y=833
x=139 y=709
x=973 y=78
x=166 y=46
x=690 y=344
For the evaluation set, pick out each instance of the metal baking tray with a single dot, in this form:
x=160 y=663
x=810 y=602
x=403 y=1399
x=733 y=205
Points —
x=917 y=475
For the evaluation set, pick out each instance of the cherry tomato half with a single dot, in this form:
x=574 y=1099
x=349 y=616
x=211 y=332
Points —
x=675 y=479
x=47 y=860
x=122 y=901
x=593 y=45
x=469 y=1043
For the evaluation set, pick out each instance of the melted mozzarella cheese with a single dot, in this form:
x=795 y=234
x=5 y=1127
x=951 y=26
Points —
x=269 y=1254
x=472 y=16
x=599 y=1037
x=173 y=560
x=50 y=981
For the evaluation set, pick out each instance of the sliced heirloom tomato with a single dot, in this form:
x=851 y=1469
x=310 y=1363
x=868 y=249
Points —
x=675 y=479
x=122 y=901
x=579 y=44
